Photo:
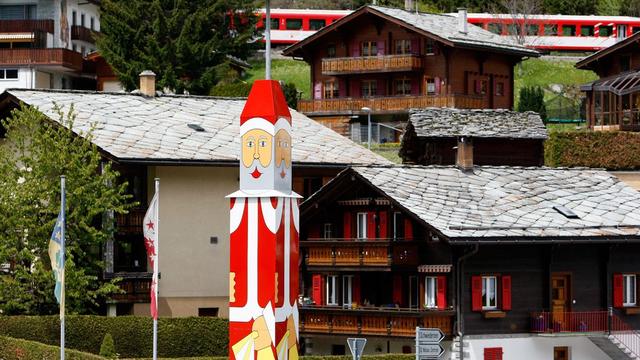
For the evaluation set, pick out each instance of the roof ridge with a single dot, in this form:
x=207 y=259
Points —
x=434 y=166
x=125 y=93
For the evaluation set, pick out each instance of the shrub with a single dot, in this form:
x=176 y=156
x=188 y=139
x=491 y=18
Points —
x=18 y=349
x=235 y=89
x=291 y=94
x=108 y=349
x=612 y=150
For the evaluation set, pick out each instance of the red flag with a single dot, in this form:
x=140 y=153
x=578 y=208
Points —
x=150 y=231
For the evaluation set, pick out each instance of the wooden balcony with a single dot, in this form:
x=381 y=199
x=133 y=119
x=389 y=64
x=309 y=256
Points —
x=130 y=223
x=371 y=64
x=391 y=104
x=399 y=323
x=26 y=26
x=136 y=287
x=360 y=253
x=83 y=34
x=51 y=57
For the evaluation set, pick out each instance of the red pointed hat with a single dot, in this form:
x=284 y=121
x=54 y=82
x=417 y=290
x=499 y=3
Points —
x=266 y=101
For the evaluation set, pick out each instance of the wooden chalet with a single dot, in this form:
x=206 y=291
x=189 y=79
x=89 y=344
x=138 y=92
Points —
x=390 y=60
x=489 y=137
x=484 y=254
x=613 y=101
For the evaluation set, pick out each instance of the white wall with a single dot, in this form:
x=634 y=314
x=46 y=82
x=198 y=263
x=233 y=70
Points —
x=322 y=344
x=25 y=79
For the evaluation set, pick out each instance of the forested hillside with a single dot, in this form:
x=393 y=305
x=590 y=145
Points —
x=567 y=7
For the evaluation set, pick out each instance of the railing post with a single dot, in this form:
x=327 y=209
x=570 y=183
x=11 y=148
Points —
x=610 y=319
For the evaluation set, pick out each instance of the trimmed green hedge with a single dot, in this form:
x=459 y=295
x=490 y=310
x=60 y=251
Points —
x=18 y=349
x=132 y=335
x=613 y=150
x=320 y=357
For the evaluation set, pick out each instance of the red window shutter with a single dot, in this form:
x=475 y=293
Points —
x=506 y=292
x=316 y=291
x=355 y=48
x=342 y=87
x=477 y=85
x=356 y=289
x=355 y=88
x=408 y=229
x=380 y=46
x=493 y=353
x=371 y=225
x=397 y=290
x=383 y=225
x=415 y=86
x=441 y=301
x=415 y=46
x=346 y=226
x=476 y=293
x=618 y=284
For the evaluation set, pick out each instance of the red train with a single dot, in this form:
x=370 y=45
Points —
x=292 y=25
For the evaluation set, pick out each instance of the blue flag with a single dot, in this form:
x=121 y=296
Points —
x=56 y=254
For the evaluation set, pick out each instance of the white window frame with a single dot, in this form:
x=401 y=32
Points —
x=347 y=291
x=331 y=290
x=431 y=292
x=487 y=290
x=327 y=231
x=430 y=86
x=629 y=290
x=361 y=224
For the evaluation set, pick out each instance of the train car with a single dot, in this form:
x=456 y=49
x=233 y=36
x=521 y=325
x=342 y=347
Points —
x=289 y=26
x=577 y=33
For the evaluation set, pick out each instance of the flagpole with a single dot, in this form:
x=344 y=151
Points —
x=63 y=200
x=155 y=270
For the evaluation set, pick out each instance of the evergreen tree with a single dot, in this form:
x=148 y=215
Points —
x=181 y=41
x=532 y=99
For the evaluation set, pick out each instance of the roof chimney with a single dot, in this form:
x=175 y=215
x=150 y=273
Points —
x=464 y=156
x=148 y=83
x=408 y=5
x=462 y=20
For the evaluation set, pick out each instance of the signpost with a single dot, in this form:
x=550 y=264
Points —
x=428 y=343
x=356 y=345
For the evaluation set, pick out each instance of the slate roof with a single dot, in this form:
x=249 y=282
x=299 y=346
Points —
x=481 y=123
x=135 y=127
x=494 y=203
x=587 y=62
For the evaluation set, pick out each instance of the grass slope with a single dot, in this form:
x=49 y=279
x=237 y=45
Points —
x=18 y=349
x=286 y=70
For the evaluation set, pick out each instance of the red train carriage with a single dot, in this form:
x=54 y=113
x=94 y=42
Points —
x=292 y=25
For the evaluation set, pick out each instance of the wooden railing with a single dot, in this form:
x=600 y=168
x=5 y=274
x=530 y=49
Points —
x=362 y=253
x=17 y=26
x=364 y=64
x=387 y=104
x=82 y=33
x=135 y=286
x=61 y=57
x=130 y=223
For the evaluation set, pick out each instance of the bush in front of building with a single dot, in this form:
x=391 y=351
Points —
x=19 y=349
x=132 y=335
x=612 y=150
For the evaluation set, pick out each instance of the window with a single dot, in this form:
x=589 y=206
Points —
x=403 y=46
x=369 y=48
x=586 y=30
x=431 y=86
x=328 y=231
x=331 y=50
x=493 y=353
x=331 y=89
x=74 y=18
x=361 y=221
x=560 y=353
x=317 y=24
x=550 y=30
x=275 y=23
x=480 y=87
x=489 y=293
x=629 y=290
x=294 y=24
x=213 y=312
x=430 y=292
x=605 y=31
x=625 y=63
x=402 y=86
x=332 y=298
x=500 y=89
x=568 y=30
x=513 y=29
x=430 y=47
x=8 y=74
x=18 y=12
x=347 y=290
x=398 y=225
x=495 y=28
x=82 y=20
x=369 y=88
x=92 y=23
x=533 y=29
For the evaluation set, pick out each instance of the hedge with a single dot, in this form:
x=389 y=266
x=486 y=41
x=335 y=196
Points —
x=18 y=349
x=320 y=357
x=132 y=335
x=612 y=150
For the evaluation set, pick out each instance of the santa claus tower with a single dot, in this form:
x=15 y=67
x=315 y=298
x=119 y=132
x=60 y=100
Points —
x=263 y=282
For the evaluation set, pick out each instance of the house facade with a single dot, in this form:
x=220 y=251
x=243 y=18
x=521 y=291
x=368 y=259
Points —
x=191 y=144
x=544 y=258
x=613 y=101
x=43 y=42
x=383 y=61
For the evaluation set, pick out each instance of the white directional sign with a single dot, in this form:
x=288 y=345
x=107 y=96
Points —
x=428 y=336
x=356 y=345
x=429 y=351
x=428 y=343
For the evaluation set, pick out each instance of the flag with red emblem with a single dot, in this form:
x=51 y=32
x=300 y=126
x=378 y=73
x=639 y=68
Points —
x=150 y=231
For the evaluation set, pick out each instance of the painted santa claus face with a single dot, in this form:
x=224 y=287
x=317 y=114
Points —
x=282 y=156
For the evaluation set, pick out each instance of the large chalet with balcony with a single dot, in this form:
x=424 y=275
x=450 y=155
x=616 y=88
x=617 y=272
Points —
x=536 y=255
x=384 y=61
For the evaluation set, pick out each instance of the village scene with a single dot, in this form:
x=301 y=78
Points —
x=320 y=180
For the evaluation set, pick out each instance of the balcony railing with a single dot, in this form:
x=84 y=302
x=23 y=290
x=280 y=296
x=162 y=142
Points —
x=558 y=322
x=368 y=64
x=388 y=104
x=372 y=324
x=82 y=33
x=21 y=26
x=130 y=223
x=53 y=57
x=373 y=252
x=136 y=287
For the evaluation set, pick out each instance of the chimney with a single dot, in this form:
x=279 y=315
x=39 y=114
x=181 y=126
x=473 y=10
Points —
x=462 y=20
x=148 y=83
x=464 y=156
x=409 y=5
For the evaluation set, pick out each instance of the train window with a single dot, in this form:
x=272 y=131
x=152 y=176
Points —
x=275 y=23
x=316 y=24
x=606 y=30
x=568 y=30
x=495 y=28
x=551 y=30
x=586 y=30
x=533 y=29
x=294 y=24
x=512 y=29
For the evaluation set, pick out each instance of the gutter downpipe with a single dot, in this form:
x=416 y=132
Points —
x=459 y=295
